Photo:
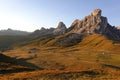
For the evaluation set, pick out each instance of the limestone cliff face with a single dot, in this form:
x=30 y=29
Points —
x=112 y=32
x=94 y=23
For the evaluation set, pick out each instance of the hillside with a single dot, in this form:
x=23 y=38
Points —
x=9 y=65
x=48 y=56
x=99 y=56
x=100 y=43
x=7 y=41
x=9 y=38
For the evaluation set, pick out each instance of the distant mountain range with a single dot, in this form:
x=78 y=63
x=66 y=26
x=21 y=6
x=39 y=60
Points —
x=13 y=32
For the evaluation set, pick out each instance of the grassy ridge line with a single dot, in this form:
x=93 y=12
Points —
x=49 y=73
x=94 y=74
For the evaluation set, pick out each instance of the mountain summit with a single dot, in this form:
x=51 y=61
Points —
x=61 y=28
x=94 y=23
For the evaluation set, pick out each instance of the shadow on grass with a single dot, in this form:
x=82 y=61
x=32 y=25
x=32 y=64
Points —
x=16 y=62
x=111 y=66
x=92 y=73
x=15 y=70
x=23 y=62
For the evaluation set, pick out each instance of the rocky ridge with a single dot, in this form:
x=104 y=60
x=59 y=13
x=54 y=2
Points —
x=91 y=24
x=94 y=23
x=61 y=36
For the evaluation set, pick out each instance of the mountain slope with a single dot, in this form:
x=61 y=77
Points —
x=99 y=42
x=95 y=23
x=7 y=41
x=95 y=55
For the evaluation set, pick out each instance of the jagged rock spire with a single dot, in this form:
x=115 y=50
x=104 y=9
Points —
x=94 y=23
x=61 y=28
x=97 y=12
x=61 y=25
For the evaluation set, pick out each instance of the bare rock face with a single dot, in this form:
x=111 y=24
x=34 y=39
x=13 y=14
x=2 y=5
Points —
x=96 y=12
x=94 y=23
x=112 y=32
x=118 y=27
x=61 y=28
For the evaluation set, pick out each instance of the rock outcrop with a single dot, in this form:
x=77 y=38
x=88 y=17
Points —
x=96 y=12
x=61 y=28
x=94 y=23
x=112 y=32
x=118 y=27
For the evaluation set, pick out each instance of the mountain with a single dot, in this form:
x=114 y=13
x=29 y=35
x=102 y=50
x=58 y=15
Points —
x=13 y=32
x=42 y=31
x=95 y=23
x=61 y=28
x=61 y=36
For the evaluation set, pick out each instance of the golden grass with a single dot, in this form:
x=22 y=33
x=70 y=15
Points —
x=76 y=74
x=91 y=53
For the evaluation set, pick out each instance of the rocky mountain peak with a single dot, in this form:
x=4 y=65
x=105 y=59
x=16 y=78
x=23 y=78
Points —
x=42 y=28
x=94 y=23
x=61 y=25
x=97 y=12
x=61 y=28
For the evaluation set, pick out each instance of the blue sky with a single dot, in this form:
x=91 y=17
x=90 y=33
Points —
x=29 y=15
